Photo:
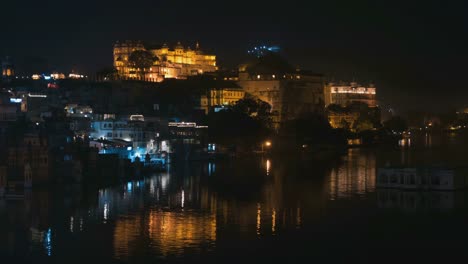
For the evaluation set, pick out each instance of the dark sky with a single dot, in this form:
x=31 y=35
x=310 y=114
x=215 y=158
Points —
x=415 y=51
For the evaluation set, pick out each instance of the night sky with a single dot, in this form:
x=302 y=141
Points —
x=414 y=51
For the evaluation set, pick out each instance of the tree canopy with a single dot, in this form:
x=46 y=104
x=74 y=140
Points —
x=142 y=59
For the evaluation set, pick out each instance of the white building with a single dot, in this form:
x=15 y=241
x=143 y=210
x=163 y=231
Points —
x=346 y=93
x=133 y=129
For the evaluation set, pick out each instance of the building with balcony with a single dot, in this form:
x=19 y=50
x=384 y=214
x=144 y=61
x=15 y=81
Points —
x=344 y=94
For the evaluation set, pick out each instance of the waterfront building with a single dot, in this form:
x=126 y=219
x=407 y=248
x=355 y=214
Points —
x=348 y=103
x=344 y=94
x=132 y=129
x=187 y=140
x=290 y=94
x=169 y=62
x=189 y=132
x=30 y=156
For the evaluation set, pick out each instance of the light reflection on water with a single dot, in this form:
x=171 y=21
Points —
x=186 y=211
x=356 y=176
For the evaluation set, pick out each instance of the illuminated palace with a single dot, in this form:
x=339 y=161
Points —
x=177 y=62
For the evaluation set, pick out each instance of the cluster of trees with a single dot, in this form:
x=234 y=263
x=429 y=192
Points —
x=141 y=60
x=368 y=117
x=244 y=125
x=312 y=130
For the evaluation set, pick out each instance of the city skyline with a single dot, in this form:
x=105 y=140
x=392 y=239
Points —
x=210 y=132
x=410 y=51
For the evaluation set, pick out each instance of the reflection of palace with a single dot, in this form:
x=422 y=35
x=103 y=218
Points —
x=189 y=215
x=355 y=176
x=169 y=232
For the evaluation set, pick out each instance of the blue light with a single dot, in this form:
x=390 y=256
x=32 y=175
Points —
x=16 y=100
x=48 y=242
x=129 y=187
x=129 y=148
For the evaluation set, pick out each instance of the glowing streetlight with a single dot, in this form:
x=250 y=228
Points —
x=267 y=144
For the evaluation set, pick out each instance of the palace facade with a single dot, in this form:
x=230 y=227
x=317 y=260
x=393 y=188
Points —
x=170 y=62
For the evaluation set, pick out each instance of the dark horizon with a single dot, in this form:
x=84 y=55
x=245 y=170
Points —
x=413 y=52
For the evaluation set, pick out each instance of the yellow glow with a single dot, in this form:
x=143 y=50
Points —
x=259 y=218
x=268 y=165
x=177 y=63
x=273 y=221
x=268 y=143
x=352 y=90
x=171 y=232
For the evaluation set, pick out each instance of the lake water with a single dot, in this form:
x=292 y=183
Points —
x=260 y=209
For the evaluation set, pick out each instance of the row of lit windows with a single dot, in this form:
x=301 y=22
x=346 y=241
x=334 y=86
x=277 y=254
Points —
x=225 y=93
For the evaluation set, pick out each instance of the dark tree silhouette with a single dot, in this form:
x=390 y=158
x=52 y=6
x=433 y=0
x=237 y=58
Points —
x=141 y=60
x=110 y=73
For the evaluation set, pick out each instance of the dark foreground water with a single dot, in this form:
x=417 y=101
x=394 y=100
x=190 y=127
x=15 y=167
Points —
x=264 y=209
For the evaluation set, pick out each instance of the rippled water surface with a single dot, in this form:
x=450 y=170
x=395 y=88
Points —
x=249 y=209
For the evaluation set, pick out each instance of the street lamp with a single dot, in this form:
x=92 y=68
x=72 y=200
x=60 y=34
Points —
x=267 y=144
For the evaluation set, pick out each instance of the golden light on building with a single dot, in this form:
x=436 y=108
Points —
x=177 y=62
x=221 y=97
